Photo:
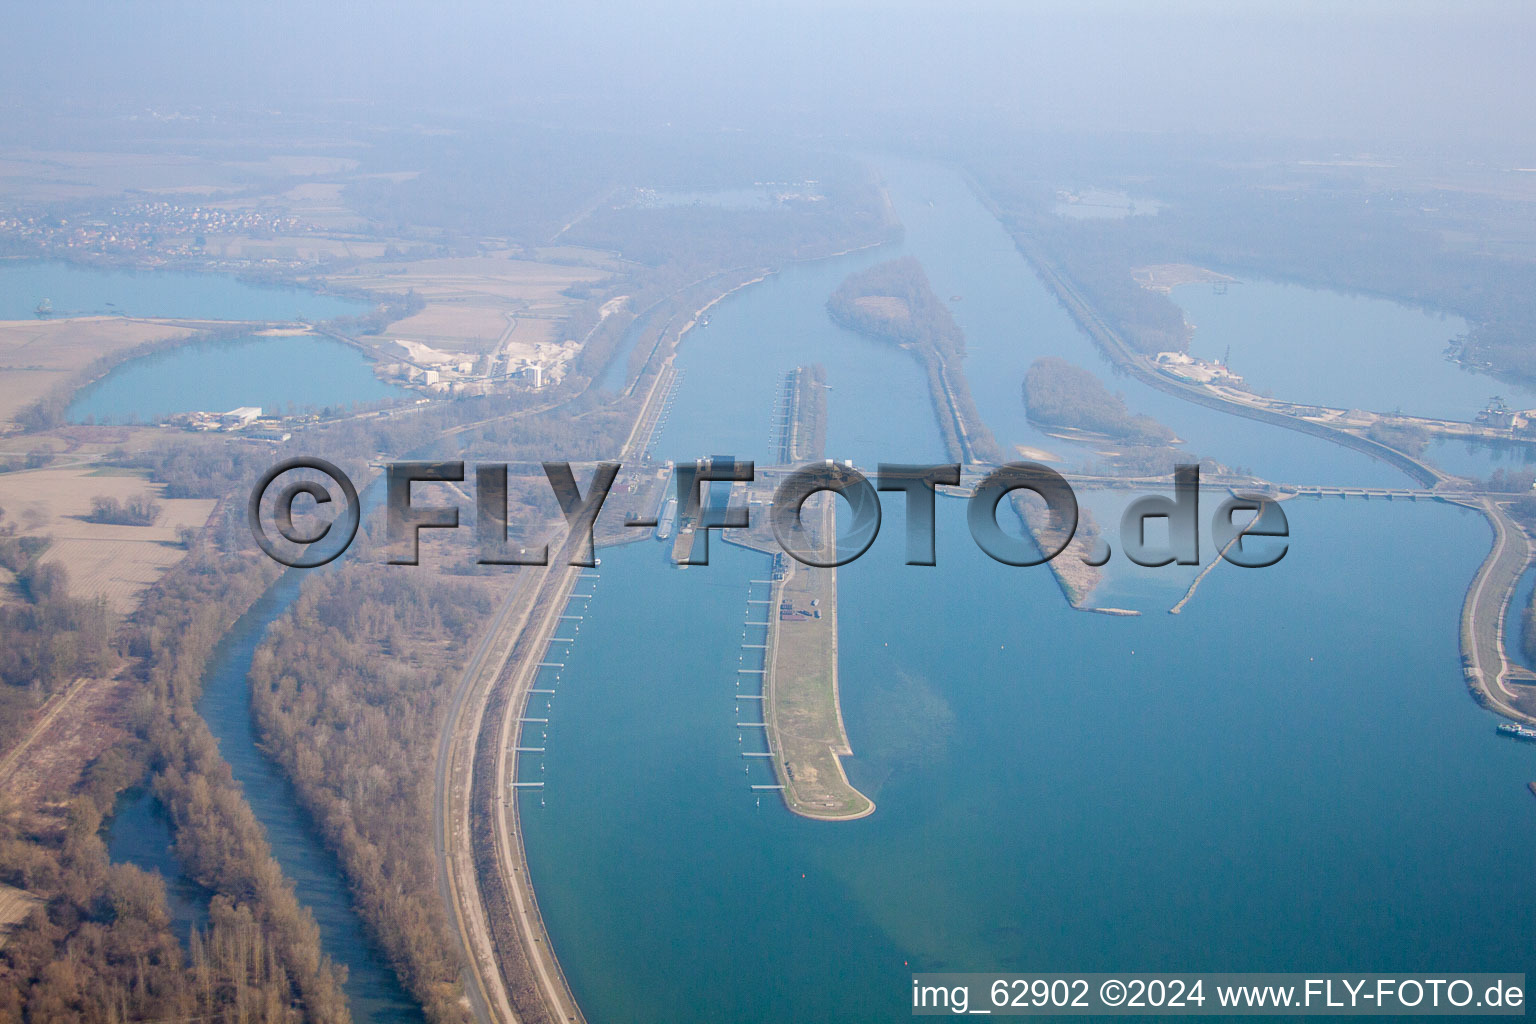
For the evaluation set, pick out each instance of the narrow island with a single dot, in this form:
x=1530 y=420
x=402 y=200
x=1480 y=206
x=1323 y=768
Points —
x=1068 y=401
x=1074 y=568
x=893 y=301
x=803 y=711
x=800 y=701
x=1059 y=396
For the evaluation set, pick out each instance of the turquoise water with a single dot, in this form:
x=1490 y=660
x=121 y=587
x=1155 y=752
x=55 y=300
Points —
x=1345 y=351
x=82 y=291
x=616 y=373
x=279 y=373
x=1248 y=786
x=1010 y=320
x=1287 y=776
x=877 y=408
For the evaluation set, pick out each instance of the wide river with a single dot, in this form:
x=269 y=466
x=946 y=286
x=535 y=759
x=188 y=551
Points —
x=1287 y=776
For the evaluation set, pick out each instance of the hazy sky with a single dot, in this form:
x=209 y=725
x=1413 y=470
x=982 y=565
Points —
x=1436 y=71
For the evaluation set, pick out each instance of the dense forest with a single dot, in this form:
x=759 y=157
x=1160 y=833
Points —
x=1059 y=394
x=349 y=690
x=894 y=300
x=98 y=946
x=100 y=949
x=218 y=840
x=350 y=687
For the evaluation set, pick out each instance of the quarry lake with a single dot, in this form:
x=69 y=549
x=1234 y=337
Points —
x=280 y=374
x=1315 y=346
x=271 y=371
x=73 y=290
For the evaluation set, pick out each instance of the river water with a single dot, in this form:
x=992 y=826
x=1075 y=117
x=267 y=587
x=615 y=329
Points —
x=373 y=993
x=139 y=832
x=1287 y=776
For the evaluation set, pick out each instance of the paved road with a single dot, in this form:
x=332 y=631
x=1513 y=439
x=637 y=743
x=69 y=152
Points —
x=1483 y=615
x=555 y=586
x=450 y=819
x=538 y=593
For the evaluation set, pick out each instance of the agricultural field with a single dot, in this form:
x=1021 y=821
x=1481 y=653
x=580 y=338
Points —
x=112 y=562
x=480 y=304
x=15 y=905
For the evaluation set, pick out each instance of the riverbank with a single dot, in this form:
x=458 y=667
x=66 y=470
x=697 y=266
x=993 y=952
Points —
x=895 y=302
x=1074 y=567
x=651 y=364
x=1121 y=742
x=482 y=864
x=1488 y=669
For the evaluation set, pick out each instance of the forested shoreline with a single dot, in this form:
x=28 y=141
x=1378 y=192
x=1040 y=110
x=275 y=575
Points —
x=99 y=946
x=349 y=690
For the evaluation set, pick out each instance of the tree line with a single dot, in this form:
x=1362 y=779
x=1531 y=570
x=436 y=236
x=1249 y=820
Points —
x=349 y=690
x=136 y=511
x=894 y=301
x=99 y=947
x=49 y=638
